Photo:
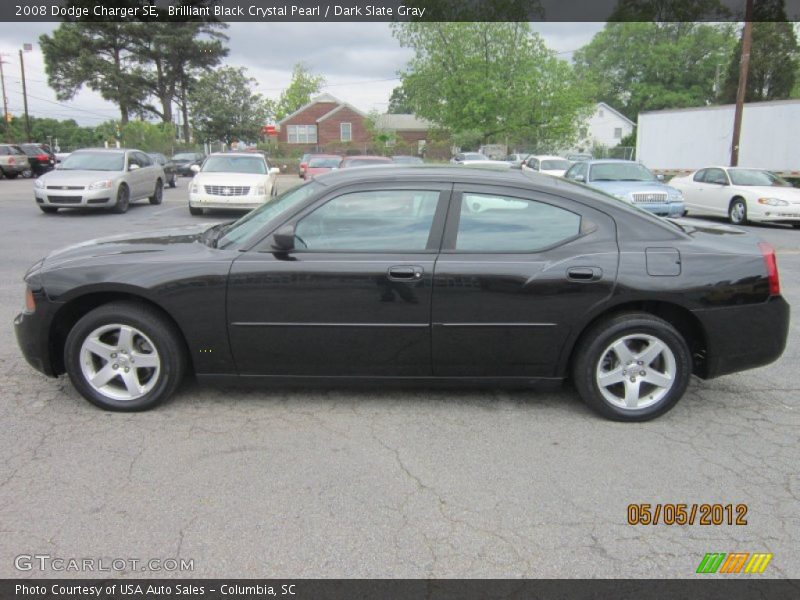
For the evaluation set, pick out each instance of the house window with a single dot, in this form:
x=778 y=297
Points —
x=301 y=134
x=346 y=132
x=617 y=133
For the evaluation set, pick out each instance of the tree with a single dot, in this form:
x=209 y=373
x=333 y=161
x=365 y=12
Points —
x=99 y=55
x=774 y=57
x=398 y=102
x=303 y=86
x=225 y=107
x=650 y=66
x=496 y=79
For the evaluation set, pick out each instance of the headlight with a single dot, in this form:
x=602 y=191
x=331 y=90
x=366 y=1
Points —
x=38 y=183
x=773 y=202
x=261 y=190
x=621 y=196
x=194 y=189
x=106 y=184
x=675 y=197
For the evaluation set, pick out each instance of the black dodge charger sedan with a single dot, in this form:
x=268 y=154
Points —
x=413 y=274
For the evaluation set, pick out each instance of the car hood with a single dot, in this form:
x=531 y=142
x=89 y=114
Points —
x=149 y=243
x=624 y=187
x=77 y=177
x=789 y=194
x=230 y=179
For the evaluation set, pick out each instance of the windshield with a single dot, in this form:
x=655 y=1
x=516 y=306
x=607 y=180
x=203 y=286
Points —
x=756 y=177
x=620 y=172
x=185 y=156
x=366 y=162
x=555 y=165
x=474 y=156
x=239 y=231
x=324 y=163
x=235 y=164
x=94 y=161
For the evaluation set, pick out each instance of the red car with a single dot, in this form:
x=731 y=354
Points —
x=321 y=163
x=365 y=161
x=304 y=161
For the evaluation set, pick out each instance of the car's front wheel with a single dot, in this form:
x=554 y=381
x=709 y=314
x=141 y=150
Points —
x=123 y=199
x=172 y=183
x=633 y=367
x=124 y=356
x=737 y=212
x=158 y=193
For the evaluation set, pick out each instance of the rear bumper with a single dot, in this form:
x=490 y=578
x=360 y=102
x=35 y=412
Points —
x=744 y=337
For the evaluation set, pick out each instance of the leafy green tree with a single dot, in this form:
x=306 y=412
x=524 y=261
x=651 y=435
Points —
x=398 y=102
x=98 y=55
x=303 y=86
x=649 y=66
x=150 y=137
x=225 y=107
x=496 y=79
x=774 y=57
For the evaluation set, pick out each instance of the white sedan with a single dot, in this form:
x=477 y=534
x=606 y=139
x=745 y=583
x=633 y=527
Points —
x=741 y=194
x=549 y=165
x=235 y=180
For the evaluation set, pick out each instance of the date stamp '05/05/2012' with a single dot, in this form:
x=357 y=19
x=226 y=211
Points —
x=687 y=514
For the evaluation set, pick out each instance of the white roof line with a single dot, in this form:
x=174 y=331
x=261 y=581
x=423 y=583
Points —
x=321 y=98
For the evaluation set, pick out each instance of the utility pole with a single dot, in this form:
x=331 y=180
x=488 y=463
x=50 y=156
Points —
x=5 y=101
x=25 y=99
x=744 y=65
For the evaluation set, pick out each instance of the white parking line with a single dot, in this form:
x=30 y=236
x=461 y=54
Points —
x=166 y=210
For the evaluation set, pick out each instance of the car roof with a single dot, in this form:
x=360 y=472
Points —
x=546 y=157
x=596 y=161
x=245 y=154
x=367 y=157
x=108 y=150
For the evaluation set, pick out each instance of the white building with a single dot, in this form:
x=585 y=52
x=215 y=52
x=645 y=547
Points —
x=606 y=127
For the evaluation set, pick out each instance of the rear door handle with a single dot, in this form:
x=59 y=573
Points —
x=405 y=273
x=584 y=273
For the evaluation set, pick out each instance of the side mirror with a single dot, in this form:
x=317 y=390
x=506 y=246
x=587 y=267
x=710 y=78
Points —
x=195 y=168
x=274 y=171
x=283 y=239
x=579 y=177
x=660 y=177
x=133 y=167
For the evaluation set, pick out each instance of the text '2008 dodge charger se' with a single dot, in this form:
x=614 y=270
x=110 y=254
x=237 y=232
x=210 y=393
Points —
x=400 y=274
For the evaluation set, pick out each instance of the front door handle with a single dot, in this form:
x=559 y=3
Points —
x=405 y=273
x=584 y=274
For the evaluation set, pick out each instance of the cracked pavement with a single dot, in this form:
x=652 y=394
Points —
x=381 y=483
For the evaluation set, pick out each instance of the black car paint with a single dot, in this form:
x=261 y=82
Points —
x=250 y=311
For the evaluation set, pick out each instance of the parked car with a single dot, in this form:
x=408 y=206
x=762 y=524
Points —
x=40 y=158
x=232 y=180
x=407 y=160
x=100 y=178
x=631 y=182
x=184 y=161
x=61 y=156
x=317 y=165
x=13 y=161
x=740 y=194
x=466 y=158
x=168 y=166
x=304 y=162
x=364 y=161
x=573 y=158
x=516 y=159
x=549 y=165
x=536 y=280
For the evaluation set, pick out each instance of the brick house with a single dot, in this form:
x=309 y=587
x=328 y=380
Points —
x=408 y=129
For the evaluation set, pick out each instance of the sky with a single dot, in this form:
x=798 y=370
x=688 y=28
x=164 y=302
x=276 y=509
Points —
x=359 y=61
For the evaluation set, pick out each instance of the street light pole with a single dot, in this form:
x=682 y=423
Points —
x=5 y=101
x=744 y=65
x=25 y=99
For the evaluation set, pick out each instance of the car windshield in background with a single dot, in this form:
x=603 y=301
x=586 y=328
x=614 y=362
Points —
x=555 y=165
x=239 y=231
x=185 y=156
x=756 y=177
x=235 y=164
x=620 y=172
x=31 y=150
x=407 y=160
x=324 y=163
x=367 y=162
x=94 y=161
x=474 y=156
x=158 y=158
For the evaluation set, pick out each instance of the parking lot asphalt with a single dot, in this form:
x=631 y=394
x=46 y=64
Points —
x=380 y=483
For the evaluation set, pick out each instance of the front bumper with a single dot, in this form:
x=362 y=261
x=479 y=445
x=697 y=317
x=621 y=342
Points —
x=33 y=336
x=248 y=202
x=82 y=198
x=775 y=214
x=744 y=337
x=663 y=209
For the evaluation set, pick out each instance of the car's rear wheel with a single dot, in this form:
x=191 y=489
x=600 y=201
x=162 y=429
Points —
x=124 y=356
x=48 y=210
x=123 y=199
x=12 y=174
x=633 y=367
x=195 y=212
x=737 y=212
x=158 y=193
x=172 y=183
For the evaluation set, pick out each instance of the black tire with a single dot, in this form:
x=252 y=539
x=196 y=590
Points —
x=274 y=191
x=158 y=193
x=737 y=206
x=48 y=210
x=123 y=200
x=594 y=344
x=12 y=174
x=172 y=183
x=796 y=224
x=165 y=338
x=195 y=212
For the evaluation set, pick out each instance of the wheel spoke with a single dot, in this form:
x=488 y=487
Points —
x=125 y=341
x=662 y=380
x=623 y=352
x=607 y=378
x=101 y=349
x=632 y=393
x=104 y=375
x=650 y=353
x=131 y=382
x=144 y=360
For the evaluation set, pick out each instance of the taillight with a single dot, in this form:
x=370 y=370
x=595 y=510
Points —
x=12 y=160
x=42 y=157
x=771 y=262
x=30 y=302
